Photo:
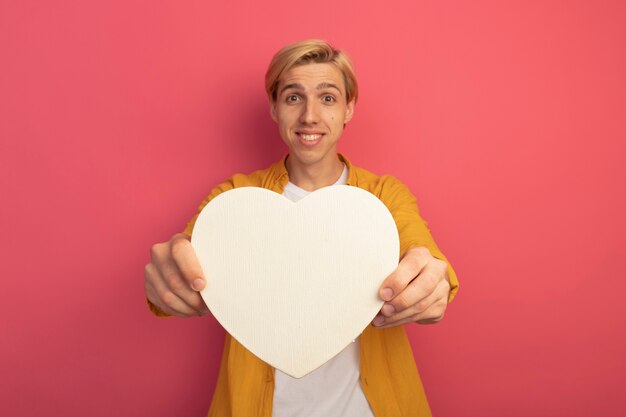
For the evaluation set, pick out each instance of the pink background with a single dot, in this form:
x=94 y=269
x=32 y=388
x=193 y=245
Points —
x=506 y=119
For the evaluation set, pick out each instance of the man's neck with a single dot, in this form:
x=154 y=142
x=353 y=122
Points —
x=315 y=176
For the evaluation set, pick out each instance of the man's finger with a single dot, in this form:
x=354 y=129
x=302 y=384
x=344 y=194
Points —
x=385 y=325
x=187 y=262
x=164 y=261
x=409 y=267
x=417 y=290
x=410 y=320
x=432 y=315
x=420 y=306
x=153 y=296
x=172 y=291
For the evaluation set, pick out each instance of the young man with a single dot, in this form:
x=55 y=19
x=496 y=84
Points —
x=312 y=91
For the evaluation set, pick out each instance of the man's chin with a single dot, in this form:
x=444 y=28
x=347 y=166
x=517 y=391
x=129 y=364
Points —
x=309 y=157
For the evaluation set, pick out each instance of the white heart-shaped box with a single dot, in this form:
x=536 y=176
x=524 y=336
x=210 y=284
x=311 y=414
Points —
x=295 y=283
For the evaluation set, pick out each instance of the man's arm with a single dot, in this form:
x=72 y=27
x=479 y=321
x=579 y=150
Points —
x=423 y=284
x=174 y=277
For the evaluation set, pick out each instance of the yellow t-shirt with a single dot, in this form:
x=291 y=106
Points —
x=389 y=377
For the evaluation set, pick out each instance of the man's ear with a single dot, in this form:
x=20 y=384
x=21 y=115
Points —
x=349 y=111
x=273 y=110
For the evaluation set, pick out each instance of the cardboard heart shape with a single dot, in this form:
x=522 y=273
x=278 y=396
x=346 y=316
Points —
x=295 y=283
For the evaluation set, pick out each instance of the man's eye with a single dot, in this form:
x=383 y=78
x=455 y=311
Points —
x=292 y=98
x=328 y=99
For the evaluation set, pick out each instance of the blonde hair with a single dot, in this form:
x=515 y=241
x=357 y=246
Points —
x=313 y=51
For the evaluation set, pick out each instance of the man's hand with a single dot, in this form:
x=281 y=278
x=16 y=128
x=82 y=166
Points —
x=417 y=291
x=174 y=277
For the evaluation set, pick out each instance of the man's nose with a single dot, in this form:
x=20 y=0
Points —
x=310 y=112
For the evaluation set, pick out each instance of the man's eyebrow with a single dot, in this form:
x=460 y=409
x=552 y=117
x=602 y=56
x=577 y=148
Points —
x=320 y=86
x=295 y=86
x=324 y=85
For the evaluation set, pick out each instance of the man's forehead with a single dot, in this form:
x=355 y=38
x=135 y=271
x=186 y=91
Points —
x=312 y=76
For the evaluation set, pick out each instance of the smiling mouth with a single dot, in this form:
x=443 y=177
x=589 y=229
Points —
x=310 y=137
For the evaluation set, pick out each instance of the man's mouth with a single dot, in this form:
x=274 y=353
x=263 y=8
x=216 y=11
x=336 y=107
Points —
x=310 y=137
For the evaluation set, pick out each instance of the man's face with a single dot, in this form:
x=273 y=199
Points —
x=311 y=111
